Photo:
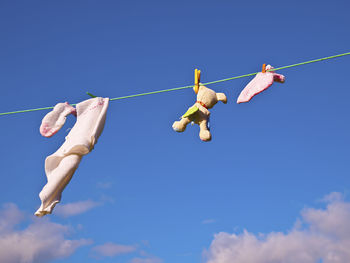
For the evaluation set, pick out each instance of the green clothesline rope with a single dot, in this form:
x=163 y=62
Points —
x=187 y=87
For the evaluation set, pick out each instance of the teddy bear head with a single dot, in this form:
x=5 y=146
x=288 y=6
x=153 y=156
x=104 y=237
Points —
x=209 y=97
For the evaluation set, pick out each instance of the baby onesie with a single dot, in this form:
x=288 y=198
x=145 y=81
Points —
x=61 y=165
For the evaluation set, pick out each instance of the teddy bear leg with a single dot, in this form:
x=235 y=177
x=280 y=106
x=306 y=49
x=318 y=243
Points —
x=204 y=133
x=180 y=126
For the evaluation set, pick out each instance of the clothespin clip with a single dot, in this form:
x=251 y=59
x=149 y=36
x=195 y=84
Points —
x=263 y=68
x=91 y=95
x=197 y=79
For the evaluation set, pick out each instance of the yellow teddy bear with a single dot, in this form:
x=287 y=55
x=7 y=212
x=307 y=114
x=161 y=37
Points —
x=198 y=113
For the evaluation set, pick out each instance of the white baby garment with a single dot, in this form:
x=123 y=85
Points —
x=60 y=166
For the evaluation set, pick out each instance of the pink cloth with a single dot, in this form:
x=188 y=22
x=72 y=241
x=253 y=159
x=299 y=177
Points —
x=261 y=82
x=55 y=119
x=61 y=165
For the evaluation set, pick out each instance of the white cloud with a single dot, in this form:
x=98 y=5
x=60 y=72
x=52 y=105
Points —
x=9 y=217
x=333 y=221
x=40 y=242
x=146 y=260
x=111 y=249
x=325 y=236
x=333 y=197
x=72 y=209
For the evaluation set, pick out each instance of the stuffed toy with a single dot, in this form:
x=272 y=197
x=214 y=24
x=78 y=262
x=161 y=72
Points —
x=198 y=113
x=261 y=82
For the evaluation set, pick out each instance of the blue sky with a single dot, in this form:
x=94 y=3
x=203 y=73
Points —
x=161 y=194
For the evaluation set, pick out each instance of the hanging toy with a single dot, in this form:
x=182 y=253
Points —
x=198 y=113
x=261 y=82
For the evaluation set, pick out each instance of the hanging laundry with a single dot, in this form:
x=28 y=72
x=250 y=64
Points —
x=55 y=119
x=60 y=166
x=199 y=114
x=261 y=82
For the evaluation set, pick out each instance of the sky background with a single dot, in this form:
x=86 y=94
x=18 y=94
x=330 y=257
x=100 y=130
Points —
x=147 y=194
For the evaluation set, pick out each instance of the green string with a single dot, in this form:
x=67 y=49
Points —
x=187 y=87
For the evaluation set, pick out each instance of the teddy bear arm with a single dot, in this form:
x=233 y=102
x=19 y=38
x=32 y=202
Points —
x=221 y=97
x=180 y=125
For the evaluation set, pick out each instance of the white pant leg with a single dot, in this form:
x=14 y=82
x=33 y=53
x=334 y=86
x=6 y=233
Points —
x=57 y=180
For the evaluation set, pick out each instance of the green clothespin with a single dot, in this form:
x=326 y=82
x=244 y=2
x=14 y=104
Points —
x=91 y=95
